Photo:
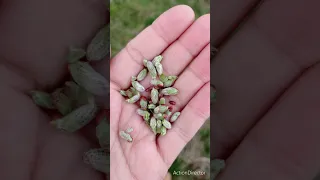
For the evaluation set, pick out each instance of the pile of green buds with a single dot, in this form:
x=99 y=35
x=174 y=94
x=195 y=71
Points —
x=154 y=109
x=74 y=102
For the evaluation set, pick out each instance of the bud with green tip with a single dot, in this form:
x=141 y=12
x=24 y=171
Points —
x=158 y=116
x=157 y=59
x=162 y=101
x=146 y=117
x=134 y=98
x=123 y=93
x=153 y=124
x=133 y=90
x=103 y=133
x=156 y=82
x=142 y=112
x=158 y=131
x=85 y=76
x=159 y=123
x=129 y=130
x=62 y=102
x=98 y=159
x=151 y=106
x=163 y=109
x=175 y=116
x=169 y=91
x=99 y=49
x=142 y=74
x=77 y=94
x=163 y=131
x=145 y=62
x=75 y=54
x=166 y=124
x=77 y=118
x=129 y=93
x=163 y=78
x=138 y=86
x=159 y=68
x=125 y=136
x=156 y=110
x=170 y=81
x=42 y=99
x=143 y=104
x=160 y=109
x=154 y=96
x=152 y=70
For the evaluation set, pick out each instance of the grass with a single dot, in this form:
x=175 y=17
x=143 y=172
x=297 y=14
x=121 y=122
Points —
x=128 y=18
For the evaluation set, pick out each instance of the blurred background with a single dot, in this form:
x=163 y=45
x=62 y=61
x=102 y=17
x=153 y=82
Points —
x=127 y=19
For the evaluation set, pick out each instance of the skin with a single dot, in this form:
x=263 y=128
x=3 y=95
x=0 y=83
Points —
x=35 y=36
x=266 y=118
x=181 y=40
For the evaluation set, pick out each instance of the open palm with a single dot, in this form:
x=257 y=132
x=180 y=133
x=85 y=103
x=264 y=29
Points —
x=184 y=44
x=267 y=78
x=35 y=36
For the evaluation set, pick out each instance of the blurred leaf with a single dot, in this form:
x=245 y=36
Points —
x=176 y=165
x=149 y=21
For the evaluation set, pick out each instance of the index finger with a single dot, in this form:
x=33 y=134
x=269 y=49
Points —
x=149 y=43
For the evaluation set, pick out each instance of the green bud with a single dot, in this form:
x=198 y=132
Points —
x=138 y=86
x=152 y=70
x=98 y=159
x=145 y=62
x=146 y=117
x=169 y=91
x=166 y=124
x=62 y=102
x=134 y=98
x=123 y=93
x=129 y=93
x=157 y=59
x=103 y=133
x=175 y=116
x=163 y=78
x=151 y=106
x=159 y=68
x=158 y=116
x=143 y=104
x=159 y=123
x=156 y=82
x=75 y=54
x=42 y=99
x=77 y=118
x=162 y=101
x=163 y=131
x=153 y=124
x=143 y=73
x=170 y=81
x=154 y=96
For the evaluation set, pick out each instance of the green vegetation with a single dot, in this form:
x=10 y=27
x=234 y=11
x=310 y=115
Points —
x=129 y=17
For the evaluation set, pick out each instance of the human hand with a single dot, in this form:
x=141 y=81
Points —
x=266 y=120
x=181 y=41
x=35 y=36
